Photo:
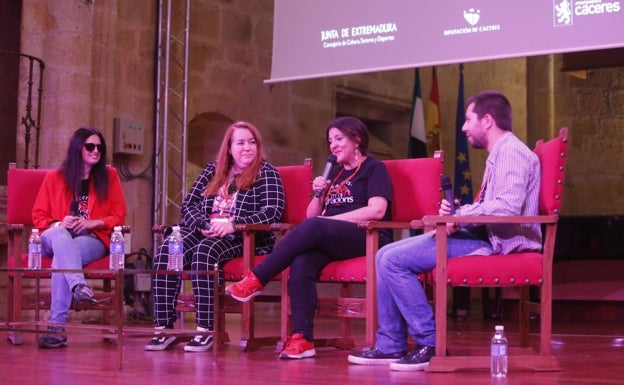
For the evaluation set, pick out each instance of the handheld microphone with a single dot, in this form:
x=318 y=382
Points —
x=447 y=189
x=331 y=160
x=73 y=209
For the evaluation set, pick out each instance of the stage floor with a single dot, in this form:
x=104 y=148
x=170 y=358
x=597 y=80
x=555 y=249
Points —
x=588 y=354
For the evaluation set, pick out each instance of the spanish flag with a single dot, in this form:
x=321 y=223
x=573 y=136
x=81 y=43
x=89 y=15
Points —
x=433 y=117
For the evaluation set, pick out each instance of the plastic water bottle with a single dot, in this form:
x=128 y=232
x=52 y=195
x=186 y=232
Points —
x=34 y=250
x=176 y=250
x=498 y=349
x=117 y=254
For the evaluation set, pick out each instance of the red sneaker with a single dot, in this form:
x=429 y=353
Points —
x=246 y=288
x=298 y=347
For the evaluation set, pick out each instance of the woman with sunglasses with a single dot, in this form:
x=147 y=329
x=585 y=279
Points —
x=76 y=209
x=238 y=187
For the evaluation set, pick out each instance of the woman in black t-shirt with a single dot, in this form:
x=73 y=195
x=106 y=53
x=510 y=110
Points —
x=357 y=189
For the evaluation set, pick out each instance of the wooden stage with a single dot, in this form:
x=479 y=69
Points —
x=588 y=353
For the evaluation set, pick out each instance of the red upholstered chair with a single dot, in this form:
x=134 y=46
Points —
x=297 y=181
x=23 y=186
x=416 y=193
x=512 y=270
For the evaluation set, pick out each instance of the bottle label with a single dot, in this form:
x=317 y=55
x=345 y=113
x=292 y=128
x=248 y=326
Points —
x=117 y=248
x=34 y=248
x=498 y=350
x=175 y=248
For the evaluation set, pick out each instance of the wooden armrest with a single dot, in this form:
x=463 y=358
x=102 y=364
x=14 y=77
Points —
x=433 y=220
x=375 y=225
x=14 y=227
x=282 y=226
x=18 y=227
x=243 y=227
x=248 y=227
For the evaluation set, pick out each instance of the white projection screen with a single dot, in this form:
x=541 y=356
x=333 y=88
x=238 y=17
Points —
x=321 y=38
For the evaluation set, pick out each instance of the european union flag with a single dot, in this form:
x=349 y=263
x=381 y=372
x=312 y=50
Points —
x=462 y=190
x=463 y=178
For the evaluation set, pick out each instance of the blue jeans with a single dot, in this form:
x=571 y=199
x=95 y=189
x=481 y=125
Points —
x=402 y=303
x=68 y=253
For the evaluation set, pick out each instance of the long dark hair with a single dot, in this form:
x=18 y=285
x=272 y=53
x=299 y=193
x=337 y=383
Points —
x=73 y=164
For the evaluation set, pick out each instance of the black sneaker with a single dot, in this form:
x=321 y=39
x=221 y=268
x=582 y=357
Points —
x=200 y=343
x=418 y=359
x=83 y=296
x=374 y=357
x=160 y=342
x=53 y=341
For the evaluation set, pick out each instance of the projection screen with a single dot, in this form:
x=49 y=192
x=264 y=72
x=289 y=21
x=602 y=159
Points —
x=321 y=38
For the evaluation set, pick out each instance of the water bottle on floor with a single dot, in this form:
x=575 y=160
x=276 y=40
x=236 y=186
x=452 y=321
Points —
x=498 y=349
x=117 y=253
x=34 y=250
x=176 y=250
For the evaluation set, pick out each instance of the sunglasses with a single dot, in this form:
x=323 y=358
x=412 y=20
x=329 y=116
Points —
x=91 y=146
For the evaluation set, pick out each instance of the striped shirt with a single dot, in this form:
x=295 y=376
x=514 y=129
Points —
x=511 y=186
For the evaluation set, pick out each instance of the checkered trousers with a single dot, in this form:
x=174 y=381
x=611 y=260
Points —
x=200 y=254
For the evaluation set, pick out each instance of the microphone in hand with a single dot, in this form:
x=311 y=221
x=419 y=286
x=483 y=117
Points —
x=73 y=209
x=331 y=160
x=447 y=189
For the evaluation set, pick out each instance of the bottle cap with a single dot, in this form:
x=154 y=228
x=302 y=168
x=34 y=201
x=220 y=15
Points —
x=499 y=328
x=175 y=227
x=117 y=228
x=35 y=230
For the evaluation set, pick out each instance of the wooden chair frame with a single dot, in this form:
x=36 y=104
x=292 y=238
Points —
x=23 y=186
x=548 y=218
x=411 y=201
x=235 y=269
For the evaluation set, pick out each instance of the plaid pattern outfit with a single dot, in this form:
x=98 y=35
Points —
x=263 y=203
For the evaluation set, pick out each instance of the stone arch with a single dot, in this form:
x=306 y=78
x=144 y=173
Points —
x=205 y=133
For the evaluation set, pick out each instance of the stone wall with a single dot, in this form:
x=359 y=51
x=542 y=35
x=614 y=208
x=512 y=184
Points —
x=593 y=108
x=100 y=59
x=100 y=65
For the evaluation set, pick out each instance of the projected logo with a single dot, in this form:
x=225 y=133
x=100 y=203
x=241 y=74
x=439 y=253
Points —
x=472 y=16
x=565 y=11
x=562 y=13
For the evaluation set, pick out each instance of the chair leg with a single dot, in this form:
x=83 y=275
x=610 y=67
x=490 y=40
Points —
x=345 y=323
x=285 y=325
x=14 y=307
x=524 y=316
x=108 y=288
x=220 y=314
x=546 y=319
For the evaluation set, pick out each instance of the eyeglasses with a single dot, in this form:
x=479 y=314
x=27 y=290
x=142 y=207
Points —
x=91 y=146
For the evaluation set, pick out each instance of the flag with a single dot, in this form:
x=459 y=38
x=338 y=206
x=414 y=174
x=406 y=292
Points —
x=462 y=190
x=463 y=178
x=418 y=139
x=433 y=117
